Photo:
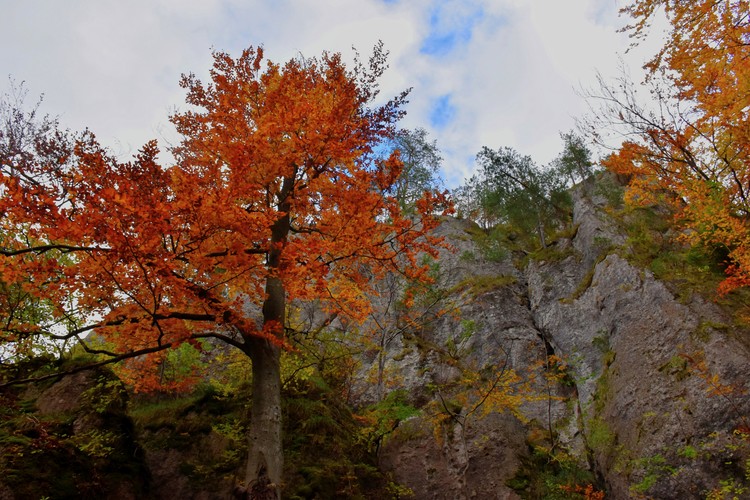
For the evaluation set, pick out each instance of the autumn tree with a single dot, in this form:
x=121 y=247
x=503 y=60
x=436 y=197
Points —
x=28 y=140
x=276 y=194
x=688 y=143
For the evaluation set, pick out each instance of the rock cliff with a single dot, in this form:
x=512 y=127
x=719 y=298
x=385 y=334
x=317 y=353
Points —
x=652 y=400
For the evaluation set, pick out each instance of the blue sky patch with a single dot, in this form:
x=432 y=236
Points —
x=449 y=28
x=443 y=111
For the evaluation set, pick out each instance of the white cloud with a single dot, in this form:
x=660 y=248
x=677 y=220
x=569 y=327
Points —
x=509 y=74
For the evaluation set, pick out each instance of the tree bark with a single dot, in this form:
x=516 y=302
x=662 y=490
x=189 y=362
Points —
x=265 y=460
x=540 y=230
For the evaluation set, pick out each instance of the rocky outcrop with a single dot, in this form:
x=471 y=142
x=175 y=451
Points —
x=653 y=400
x=70 y=439
x=644 y=361
x=74 y=438
x=471 y=440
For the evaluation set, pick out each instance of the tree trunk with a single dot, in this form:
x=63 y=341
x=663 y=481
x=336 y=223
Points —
x=265 y=460
x=540 y=230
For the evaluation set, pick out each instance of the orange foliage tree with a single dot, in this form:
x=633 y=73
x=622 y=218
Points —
x=275 y=194
x=691 y=142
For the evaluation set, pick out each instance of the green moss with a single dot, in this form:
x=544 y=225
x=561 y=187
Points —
x=653 y=468
x=402 y=354
x=677 y=367
x=568 y=232
x=583 y=285
x=467 y=256
x=603 y=244
x=689 y=452
x=645 y=484
x=601 y=342
x=609 y=358
x=706 y=329
x=601 y=395
x=520 y=482
x=159 y=412
x=479 y=285
x=600 y=438
x=552 y=253
x=187 y=424
x=398 y=491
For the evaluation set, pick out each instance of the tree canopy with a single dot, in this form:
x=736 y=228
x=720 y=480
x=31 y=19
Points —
x=510 y=188
x=275 y=194
x=690 y=145
x=421 y=166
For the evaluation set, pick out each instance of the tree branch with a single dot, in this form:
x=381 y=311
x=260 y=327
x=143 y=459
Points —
x=46 y=248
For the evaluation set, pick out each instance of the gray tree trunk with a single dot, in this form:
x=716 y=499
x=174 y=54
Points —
x=265 y=461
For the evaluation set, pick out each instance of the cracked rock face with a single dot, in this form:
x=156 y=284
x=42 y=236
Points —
x=636 y=347
x=637 y=407
x=472 y=454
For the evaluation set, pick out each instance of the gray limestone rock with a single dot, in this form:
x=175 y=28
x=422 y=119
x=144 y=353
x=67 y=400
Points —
x=640 y=405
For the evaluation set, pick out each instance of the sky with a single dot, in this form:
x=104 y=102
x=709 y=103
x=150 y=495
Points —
x=483 y=72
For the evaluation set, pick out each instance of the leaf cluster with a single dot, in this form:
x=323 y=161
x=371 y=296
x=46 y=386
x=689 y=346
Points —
x=686 y=143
